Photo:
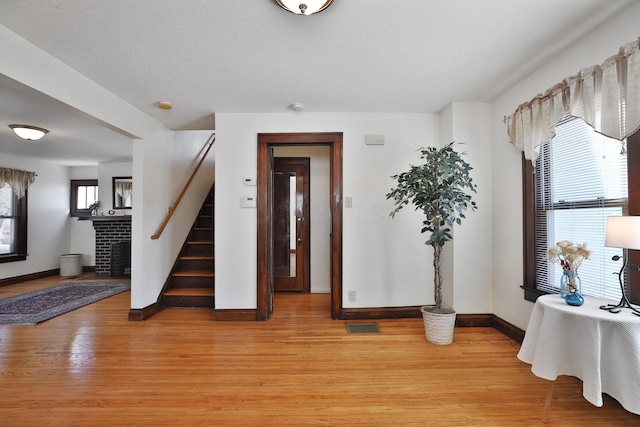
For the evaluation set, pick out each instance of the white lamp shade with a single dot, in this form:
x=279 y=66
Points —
x=623 y=232
x=30 y=133
x=304 y=7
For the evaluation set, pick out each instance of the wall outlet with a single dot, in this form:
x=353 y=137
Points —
x=352 y=296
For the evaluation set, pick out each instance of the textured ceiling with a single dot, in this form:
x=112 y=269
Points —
x=208 y=56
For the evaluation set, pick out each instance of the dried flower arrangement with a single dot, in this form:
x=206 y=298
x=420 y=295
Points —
x=569 y=255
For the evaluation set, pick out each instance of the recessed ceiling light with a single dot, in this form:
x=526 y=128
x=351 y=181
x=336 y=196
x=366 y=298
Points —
x=165 y=105
x=304 y=7
x=30 y=133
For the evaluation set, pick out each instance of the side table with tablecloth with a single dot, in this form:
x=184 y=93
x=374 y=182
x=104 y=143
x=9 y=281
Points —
x=600 y=348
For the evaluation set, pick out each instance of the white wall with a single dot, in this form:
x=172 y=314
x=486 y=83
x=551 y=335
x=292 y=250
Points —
x=470 y=252
x=319 y=212
x=508 y=302
x=385 y=261
x=48 y=211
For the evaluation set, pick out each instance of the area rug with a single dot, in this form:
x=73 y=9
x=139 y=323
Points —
x=37 y=306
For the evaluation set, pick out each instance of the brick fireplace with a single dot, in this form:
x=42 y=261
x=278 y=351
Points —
x=109 y=231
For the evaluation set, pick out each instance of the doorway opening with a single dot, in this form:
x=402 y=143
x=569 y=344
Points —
x=265 y=206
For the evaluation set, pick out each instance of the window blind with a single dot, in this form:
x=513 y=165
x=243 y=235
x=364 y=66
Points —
x=581 y=179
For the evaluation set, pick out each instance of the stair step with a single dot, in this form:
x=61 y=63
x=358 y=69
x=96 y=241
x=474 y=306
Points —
x=198 y=249
x=201 y=234
x=190 y=292
x=197 y=257
x=194 y=273
x=193 y=282
x=188 y=298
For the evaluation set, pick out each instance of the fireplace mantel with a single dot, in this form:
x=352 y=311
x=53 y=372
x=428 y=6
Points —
x=106 y=218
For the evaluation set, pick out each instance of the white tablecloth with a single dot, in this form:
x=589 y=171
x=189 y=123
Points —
x=600 y=348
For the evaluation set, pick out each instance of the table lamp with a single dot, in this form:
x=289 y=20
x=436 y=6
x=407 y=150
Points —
x=623 y=232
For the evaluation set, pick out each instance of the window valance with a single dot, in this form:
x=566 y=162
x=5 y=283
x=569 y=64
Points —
x=19 y=180
x=606 y=96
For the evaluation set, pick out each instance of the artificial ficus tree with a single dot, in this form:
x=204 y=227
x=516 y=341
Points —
x=439 y=188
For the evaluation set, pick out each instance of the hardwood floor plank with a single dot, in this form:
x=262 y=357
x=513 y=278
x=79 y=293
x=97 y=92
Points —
x=92 y=367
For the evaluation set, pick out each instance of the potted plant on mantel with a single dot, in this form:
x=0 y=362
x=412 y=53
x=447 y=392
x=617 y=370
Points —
x=437 y=188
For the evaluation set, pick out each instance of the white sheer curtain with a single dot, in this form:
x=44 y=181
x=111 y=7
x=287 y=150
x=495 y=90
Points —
x=606 y=96
x=123 y=188
x=19 y=180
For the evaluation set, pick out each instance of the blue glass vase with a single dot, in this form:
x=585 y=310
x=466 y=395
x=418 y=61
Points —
x=570 y=281
x=574 y=299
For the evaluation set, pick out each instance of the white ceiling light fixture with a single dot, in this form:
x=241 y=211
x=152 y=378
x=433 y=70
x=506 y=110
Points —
x=297 y=107
x=30 y=133
x=304 y=7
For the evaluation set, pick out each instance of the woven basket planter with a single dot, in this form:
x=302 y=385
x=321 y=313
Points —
x=438 y=327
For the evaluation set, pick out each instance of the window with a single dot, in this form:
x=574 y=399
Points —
x=84 y=192
x=13 y=225
x=580 y=178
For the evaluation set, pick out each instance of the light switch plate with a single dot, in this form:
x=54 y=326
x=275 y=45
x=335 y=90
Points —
x=248 y=202
x=348 y=202
x=249 y=181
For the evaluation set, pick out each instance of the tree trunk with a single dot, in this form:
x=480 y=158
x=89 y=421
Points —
x=437 y=276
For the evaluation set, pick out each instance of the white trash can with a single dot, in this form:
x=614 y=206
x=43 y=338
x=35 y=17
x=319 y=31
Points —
x=70 y=265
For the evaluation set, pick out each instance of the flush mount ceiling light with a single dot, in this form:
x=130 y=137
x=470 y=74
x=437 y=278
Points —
x=165 y=105
x=297 y=107
x=30 y=133
x=304 y=7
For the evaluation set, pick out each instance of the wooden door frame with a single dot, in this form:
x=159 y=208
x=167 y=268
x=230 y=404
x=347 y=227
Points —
x=266 y=141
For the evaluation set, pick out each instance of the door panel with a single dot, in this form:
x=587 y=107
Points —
x=291 y=243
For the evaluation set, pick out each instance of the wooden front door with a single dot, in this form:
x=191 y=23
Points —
x=290 y=224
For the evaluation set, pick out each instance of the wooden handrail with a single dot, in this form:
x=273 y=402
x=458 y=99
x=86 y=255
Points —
x=158 y=232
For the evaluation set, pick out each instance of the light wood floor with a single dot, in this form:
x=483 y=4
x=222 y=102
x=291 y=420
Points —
x=92 y=367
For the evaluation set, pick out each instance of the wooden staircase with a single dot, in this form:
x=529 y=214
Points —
x=191 y=283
